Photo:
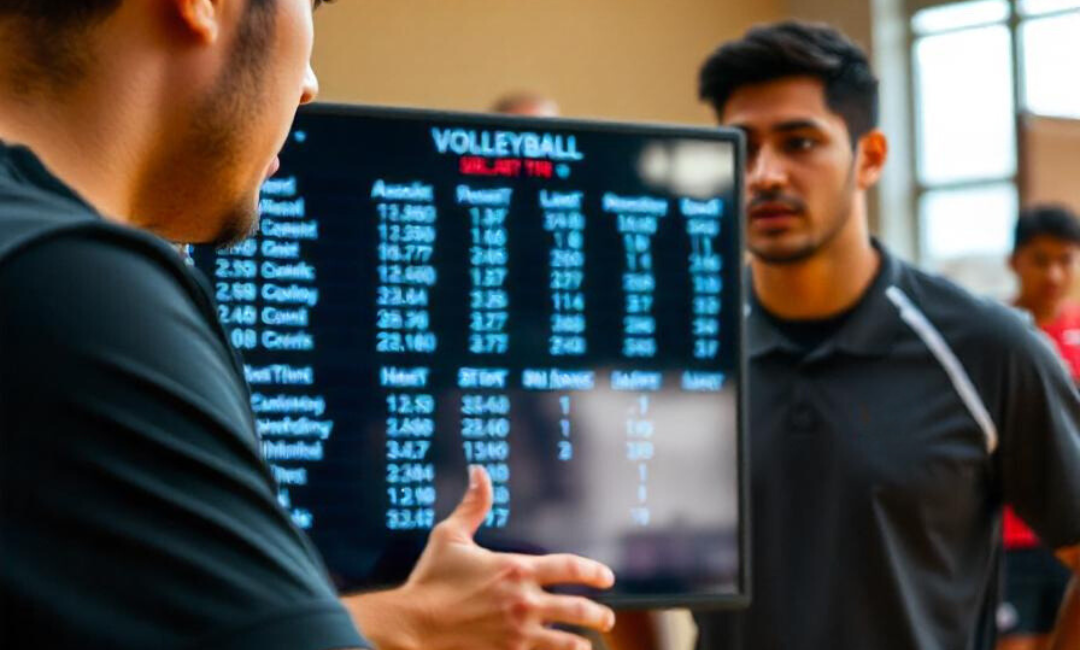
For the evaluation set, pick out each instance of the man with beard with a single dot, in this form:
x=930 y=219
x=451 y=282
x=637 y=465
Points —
x=135 y=508
x=891 y=413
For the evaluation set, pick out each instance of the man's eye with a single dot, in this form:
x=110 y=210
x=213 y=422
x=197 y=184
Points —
x=800 y=144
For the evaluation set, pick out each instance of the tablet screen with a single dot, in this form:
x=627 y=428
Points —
x=557 y=301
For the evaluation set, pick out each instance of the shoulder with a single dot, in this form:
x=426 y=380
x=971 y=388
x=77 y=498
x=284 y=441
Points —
x=105 y=306
x=1011 y=363
x=42 y=216
x=964 y=319
x=81 y=269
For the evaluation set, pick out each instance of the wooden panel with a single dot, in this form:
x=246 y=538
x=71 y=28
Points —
x=1050 y=157
x=628 y=59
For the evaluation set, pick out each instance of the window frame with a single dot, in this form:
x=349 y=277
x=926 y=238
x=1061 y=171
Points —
x=1014 y=20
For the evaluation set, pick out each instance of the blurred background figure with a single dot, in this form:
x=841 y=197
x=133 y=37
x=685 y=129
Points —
x=526 y=103
x=1044 y=258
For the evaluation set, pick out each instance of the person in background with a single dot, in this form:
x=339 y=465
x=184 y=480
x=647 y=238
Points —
x=526 y=103
x=1046 y=251
x=1045 y=254
x=136 y=509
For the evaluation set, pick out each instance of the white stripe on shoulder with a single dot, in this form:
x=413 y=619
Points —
x=930 y=335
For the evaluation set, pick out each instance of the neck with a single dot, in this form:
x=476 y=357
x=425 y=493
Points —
x=1043 y=313
x=827 y=283
x=89 y=133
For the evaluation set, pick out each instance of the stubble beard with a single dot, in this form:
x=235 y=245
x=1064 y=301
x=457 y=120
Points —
x=232 y=104
x=197 y=194
x=814 y=244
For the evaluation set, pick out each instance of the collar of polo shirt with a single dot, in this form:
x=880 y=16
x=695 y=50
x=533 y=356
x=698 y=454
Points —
x=869 y=330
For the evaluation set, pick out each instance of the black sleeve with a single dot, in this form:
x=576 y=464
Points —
x=1040 y=438
x=135 y=509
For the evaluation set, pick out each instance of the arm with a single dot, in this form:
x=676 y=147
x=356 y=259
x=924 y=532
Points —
x=637 y=630
x=133 y=500
x=1066 y=634
x=463 y=596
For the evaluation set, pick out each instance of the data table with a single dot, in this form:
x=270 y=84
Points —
x=557 y=301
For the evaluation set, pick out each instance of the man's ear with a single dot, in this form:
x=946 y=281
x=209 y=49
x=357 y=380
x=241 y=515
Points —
x=873 y=151
x=200 y=18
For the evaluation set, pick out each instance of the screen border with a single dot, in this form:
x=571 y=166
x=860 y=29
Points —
x=742 y=598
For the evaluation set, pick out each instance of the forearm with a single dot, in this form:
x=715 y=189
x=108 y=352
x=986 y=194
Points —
x=386 y=618
x=1066 y=635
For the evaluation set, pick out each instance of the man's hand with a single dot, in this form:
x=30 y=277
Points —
x=463 y=597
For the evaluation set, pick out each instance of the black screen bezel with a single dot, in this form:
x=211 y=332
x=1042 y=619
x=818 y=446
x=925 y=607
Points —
x=742 y=598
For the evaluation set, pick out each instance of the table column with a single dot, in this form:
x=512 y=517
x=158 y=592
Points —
x=407 y=235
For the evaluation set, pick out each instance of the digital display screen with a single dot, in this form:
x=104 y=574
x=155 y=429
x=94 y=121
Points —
x=558 y=301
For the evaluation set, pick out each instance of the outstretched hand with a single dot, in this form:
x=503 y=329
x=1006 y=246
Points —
x=461 y=596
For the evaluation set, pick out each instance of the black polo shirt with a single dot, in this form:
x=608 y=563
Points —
x=880 y=462
x=135 y=509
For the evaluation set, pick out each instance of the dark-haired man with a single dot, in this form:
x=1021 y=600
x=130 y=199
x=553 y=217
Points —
x=135 y=509
x=891 y=413
x=1046 y=248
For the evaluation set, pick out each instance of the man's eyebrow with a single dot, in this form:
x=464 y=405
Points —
x=797 y=125
x=782 y=127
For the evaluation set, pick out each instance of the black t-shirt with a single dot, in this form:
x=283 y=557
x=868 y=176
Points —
x=880 y=461
x=135 y=508
x=807 y=335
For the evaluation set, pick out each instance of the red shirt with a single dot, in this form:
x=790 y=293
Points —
x=1064 y=331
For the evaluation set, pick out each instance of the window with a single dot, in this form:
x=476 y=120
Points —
x=966 y=119
x=959 y=16
x=966 y=89
x=1051 y=64
x=972 y=222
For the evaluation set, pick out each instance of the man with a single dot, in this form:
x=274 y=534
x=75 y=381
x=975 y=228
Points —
x=526 y=103
x=1045 y=252
x=135 y=509
x=891 y=413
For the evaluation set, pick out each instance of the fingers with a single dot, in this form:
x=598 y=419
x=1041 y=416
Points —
x=570 y=569
x=575 y=610
x=466 y=519
x=555 y=640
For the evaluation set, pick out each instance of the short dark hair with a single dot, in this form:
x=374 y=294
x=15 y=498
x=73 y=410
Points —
x=1047 y=220
x=63 y=13
x=50 y=51
x=68 y=13
x=794 y=49
x=46 y=43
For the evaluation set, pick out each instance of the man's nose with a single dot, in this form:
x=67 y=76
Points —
x=310 y=90
x=767 y=171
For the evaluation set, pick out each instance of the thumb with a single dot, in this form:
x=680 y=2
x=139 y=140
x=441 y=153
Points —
x=473 y=509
